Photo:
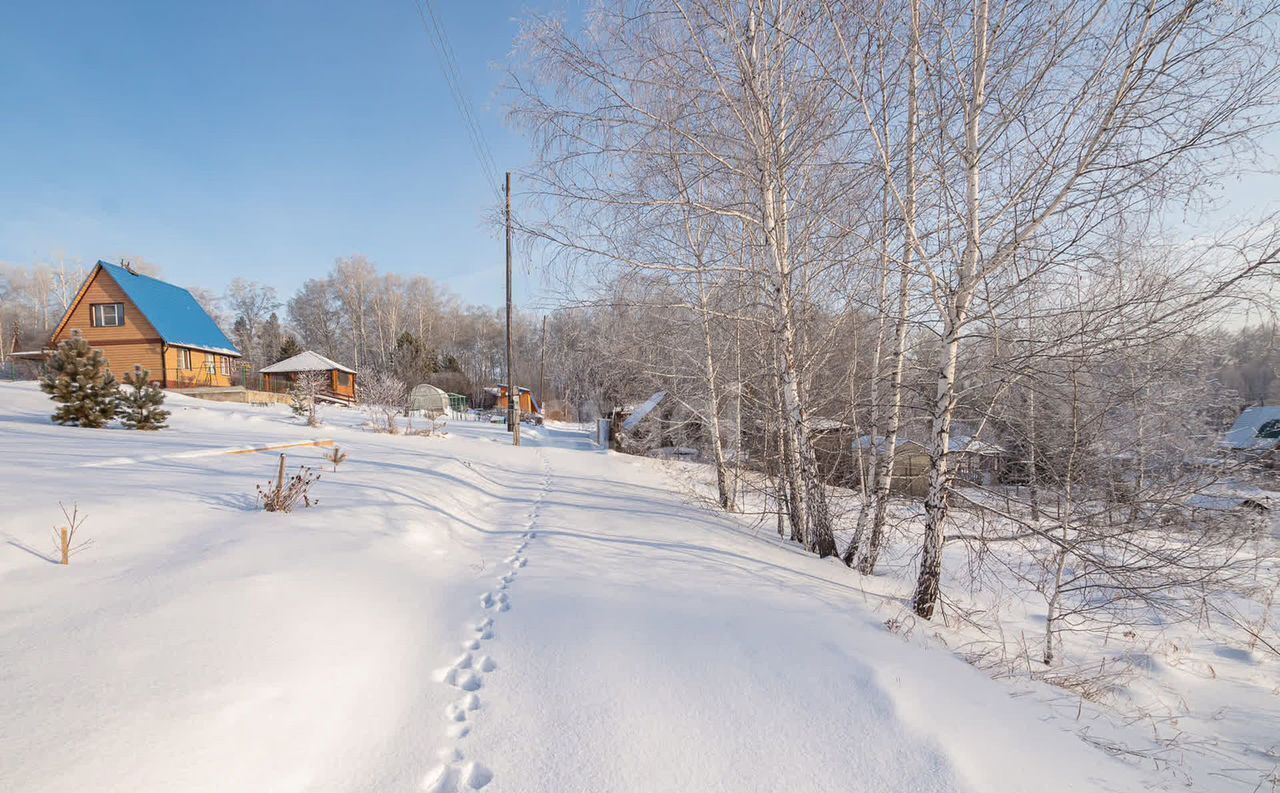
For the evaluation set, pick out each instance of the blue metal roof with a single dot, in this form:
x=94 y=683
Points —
x=172 y=311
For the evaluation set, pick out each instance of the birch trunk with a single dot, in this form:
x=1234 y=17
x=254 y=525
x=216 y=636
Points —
x=723 y=484
x=928 y=583
x=866 y=507
x=888 y=455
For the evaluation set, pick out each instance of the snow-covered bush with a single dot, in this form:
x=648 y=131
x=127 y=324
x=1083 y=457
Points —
x=304 y=396
x=383 y=397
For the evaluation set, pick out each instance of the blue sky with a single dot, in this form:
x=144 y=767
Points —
x=265 y=138
x=260 y=139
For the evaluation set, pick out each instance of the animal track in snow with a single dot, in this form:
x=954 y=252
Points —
x=464 y=679
x=454 y=773
x=459 y=730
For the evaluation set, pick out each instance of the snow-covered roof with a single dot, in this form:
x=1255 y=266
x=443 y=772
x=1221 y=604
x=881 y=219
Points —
x=867 y=442
x=307 y=361
x=959 y=443
x=1244 y=433
x=172 y=311
x=963 y=443
x=639 y=413
x=1234 y=495
x=824 y=424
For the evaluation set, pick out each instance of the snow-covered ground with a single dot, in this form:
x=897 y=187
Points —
x=1194 y=704
x=456 y=614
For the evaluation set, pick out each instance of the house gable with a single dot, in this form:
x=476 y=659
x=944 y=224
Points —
x=100 y=288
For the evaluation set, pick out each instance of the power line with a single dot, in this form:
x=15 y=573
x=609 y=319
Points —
x=439 y=39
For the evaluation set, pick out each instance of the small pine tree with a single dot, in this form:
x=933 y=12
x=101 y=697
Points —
x=288 y=348
x=139 y=406
x=77 y=377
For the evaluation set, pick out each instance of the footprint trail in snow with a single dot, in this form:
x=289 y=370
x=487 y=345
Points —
x=455 y=773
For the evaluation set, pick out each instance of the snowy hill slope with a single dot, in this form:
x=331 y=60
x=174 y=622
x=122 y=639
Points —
x=453 y=615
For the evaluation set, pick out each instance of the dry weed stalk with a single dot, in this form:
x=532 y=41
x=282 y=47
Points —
x=283 y=493
x=336 y=456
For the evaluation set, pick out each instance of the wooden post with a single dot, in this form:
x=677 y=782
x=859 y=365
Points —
x=66 y=545
x=280 y=481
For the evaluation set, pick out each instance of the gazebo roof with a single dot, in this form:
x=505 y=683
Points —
x=305 y=362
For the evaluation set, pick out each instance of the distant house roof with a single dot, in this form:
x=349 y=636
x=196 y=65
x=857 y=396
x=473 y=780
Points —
x=307 y=361
x=172 y=311
x=639 y=413
x=958 y=443
x=963 y=443
x=1251 y=430
x=868 y=442
x=824 y=424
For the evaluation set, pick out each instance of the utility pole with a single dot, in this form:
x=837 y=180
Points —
x=542 y=367
x=513 y=393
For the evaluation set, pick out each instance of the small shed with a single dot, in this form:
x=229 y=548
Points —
x=340 y=385
x=528 y=405
x=429 y=399
x=973 y=461
x=833 y=447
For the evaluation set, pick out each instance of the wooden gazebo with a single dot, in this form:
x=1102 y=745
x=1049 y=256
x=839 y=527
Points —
x=280 y=376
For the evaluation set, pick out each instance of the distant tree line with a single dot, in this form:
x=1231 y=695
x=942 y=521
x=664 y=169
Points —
x=407 y=326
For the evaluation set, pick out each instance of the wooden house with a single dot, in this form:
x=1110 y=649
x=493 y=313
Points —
x=340 y=381
x=135 y=319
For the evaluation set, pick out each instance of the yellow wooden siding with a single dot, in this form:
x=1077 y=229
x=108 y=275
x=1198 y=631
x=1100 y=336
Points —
x=121 y=358
x=348 y=390
x=526 y=401
x=205 y=370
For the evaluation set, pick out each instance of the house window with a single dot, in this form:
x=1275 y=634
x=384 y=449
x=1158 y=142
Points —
x=184 y=358
x=107 y=315
x=225 y=363
x=344 y=379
